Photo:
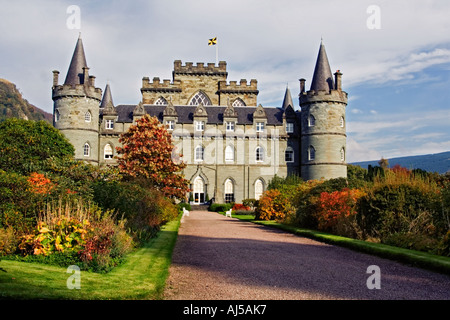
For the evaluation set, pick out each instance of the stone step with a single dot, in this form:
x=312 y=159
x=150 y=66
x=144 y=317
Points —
x=199 y=207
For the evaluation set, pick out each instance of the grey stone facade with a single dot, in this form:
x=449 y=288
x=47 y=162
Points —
x=232 y=146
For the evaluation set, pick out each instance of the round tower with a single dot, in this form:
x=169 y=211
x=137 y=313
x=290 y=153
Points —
x=323 y=125
x=76 y=107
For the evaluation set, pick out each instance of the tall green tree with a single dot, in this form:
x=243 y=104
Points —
x=25 y=145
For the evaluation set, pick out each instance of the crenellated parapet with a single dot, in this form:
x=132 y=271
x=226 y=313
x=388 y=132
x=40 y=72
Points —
x=200 y=68
x=242 y=87
x=78 y=90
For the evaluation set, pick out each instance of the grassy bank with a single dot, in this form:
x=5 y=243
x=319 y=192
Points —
x=415 y=258
x=142 y=276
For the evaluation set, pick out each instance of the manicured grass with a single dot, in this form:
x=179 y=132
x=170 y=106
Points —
x=413 y=257
x=142 y=276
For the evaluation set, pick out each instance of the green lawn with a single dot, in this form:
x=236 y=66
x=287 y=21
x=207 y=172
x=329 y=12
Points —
x=142 y=276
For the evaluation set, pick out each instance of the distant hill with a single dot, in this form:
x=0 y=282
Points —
x=13 y=105
x=439 y=162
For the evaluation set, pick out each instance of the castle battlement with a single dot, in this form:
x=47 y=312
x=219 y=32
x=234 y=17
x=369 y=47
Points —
x=157 y=85
x=78 y=90
x=200 y=68
x=312 y=96
x=243 y=86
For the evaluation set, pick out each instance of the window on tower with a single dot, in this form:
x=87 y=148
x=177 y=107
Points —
x=311 y=121
x=87 y=117
x=311 y=153
x=108 y=152
x=342 y=122
x=86 y=149
x=289 y=155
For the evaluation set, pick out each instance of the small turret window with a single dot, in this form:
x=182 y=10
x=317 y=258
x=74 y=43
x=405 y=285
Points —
x=198 y=98
x=57 y=116
x=86 y=149
x=343 y=154
x=311 y=121
x=311 y=153
x=87 y=116
x=342 y=122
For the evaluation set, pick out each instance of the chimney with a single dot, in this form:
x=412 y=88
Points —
x=302 y=85
x=92 y=81
x=85 y=75
x=338 y=80
x=55 y=77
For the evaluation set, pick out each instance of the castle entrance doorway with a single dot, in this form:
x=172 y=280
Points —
x=199 y=190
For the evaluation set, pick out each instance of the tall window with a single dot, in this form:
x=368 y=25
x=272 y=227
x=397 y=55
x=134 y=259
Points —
x=289 y=155
x=109 y=124
x=108 y=152
x=86 y=149
x=87 y=116
x=199 y=153
x=259 y=126
x=199 y=125
x=343 y=154
x=259 y=189
x=259 y=154
x=342 y=122
x=289 y=127
x=311 y=121
x=198 y=98
x=160 y=101
x=229 y=191
x=311 y=153
x=57 y=116
x=229 y=153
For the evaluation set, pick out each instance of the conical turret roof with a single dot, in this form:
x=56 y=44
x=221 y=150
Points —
x=287 y=99
x=322 y=78
x=78 y=62
x=107 y=97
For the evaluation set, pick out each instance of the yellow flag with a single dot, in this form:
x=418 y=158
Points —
x=212 y=42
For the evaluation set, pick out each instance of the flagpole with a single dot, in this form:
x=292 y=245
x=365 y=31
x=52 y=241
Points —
x=217 y=53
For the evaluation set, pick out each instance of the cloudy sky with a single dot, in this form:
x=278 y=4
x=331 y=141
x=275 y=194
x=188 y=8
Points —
x=394 y=55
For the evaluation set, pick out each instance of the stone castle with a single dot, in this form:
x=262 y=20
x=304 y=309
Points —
x=232 y=146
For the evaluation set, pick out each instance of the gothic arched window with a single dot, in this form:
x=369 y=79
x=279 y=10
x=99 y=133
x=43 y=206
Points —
x=238 y=103
x=259 y=153
x=229 y=153
x=200 y=97
x=229 y=191
x=87 y=116
x=199 y=153
x=108 y=152
x=311 y=121
x=86 y=149
x=343 y=154
x=259 y=189
x=160 y=102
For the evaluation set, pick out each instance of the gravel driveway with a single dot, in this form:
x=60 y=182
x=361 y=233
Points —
x=223 y=258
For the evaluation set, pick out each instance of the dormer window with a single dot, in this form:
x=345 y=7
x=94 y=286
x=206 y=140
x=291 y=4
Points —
x=230 y=126
x=109 y=124
x=170 y=124
x=259 y=126
x=199 y=125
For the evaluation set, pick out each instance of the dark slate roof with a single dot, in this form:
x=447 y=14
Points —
x=215 y=114
x=78 y=62
x=107 y=97
x=322 y=78
x=287 y=99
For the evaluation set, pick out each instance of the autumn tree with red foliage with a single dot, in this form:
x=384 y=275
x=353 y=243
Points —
x=147 y=154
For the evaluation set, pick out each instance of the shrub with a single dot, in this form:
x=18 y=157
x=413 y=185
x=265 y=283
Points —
x=8 y=241
x=185 y=205
x=273 y=205
x=240 y=207
x=251 y=203
x=220 y=207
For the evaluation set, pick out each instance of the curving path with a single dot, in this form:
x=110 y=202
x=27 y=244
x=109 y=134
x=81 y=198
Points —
x=223 y=258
